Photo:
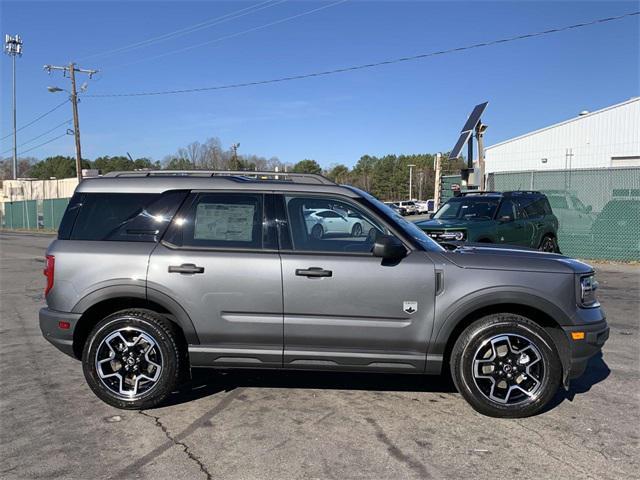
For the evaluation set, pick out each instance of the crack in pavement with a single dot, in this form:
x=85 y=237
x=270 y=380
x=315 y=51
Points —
x=175 y=441
x=397 y=453
x=224 y=403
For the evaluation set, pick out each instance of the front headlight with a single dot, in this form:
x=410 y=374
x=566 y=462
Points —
x=588 y=287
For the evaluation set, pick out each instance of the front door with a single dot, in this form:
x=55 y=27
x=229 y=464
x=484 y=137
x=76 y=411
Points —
x=344 y=308
x=220 y=264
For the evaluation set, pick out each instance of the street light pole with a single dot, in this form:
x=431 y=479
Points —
x=13 y=47
x=411 y=181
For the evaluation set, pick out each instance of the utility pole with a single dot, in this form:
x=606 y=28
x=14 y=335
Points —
x=234 y=147
x=411 y=181
x=420 y=175
x=13 y=47
x=436 y=191
x=71 y=69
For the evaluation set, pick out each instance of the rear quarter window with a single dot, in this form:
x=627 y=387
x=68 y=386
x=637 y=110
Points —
x=128 y=217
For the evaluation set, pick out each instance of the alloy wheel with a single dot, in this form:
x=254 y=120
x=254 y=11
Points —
x=129 y=362
x=509 y=369
x=548 y=245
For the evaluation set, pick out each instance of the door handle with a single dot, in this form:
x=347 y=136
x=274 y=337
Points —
x=313 y=272
x=186 y=268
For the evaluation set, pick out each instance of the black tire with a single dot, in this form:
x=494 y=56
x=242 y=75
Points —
x=167 y=352
x=356 y=230
x=480 y=336
x=317 y=232
x=549 y=244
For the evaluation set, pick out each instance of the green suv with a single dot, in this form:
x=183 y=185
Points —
x=514 y=218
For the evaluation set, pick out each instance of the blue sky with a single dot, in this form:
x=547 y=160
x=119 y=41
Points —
x=411 y=107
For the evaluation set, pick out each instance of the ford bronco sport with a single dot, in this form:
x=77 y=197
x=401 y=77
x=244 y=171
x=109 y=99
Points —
x=517 y=218
x=153 y=273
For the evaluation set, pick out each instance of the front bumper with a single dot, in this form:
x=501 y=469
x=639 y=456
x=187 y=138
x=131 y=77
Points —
x=595 y=336
x=62 y=339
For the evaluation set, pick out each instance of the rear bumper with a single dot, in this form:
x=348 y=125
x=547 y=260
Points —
x=62 y=339
x=595 y=336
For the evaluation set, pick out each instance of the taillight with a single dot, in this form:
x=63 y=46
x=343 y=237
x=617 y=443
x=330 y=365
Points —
x=49 y=267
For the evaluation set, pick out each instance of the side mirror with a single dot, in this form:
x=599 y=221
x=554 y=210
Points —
x=389 y=248
x=589 y=208
x=506 y=218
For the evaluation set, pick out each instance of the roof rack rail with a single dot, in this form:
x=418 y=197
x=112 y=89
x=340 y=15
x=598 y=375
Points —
x=478 y=192
x=522 y=192
x=506 y=193
x=309 y=178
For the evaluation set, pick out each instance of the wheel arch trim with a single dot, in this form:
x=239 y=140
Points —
x=114 y=292
x=489 y=299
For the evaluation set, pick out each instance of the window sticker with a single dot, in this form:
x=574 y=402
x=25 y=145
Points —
x=226 y=222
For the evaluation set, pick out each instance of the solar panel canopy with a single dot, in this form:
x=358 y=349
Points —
x=464 y=137
x=474 y=118
x=468 y=129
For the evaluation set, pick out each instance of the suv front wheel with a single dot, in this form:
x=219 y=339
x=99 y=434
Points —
x=506 y=365
x=131 y=359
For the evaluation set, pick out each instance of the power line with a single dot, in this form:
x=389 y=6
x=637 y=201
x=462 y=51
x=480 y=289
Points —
x=40 y=136
x=369 y=65
x=43 y=143
x=187 y=30
x=37 y=119
x=233 y=35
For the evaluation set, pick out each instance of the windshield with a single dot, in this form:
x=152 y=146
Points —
x=409 y=228
x=468 y=208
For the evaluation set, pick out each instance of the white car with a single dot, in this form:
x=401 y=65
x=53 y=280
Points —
x=425 y=206
x=409 y=206
x=322 y=221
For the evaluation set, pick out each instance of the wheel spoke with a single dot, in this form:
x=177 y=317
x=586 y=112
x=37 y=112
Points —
x=131 y=371
x=508 y=369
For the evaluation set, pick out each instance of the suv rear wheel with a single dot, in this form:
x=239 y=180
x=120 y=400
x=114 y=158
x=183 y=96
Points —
x=506 y=365
x=549 y=244
x=131 y=359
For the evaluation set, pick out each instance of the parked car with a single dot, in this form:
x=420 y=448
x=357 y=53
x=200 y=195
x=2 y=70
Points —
x=322 y=221
x=401 y=210
x=422 y=206
x=514 y=218
x=153 y=274
x=617 y=229
x=574 y=217
x=409 y=206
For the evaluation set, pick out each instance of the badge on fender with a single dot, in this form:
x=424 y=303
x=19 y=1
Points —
x=409 y=307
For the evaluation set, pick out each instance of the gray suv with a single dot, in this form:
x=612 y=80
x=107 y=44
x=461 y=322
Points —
x=153 y=273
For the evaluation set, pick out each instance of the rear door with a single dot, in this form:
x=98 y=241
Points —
x=219 y=261
x=517 y=230
x=344 y=308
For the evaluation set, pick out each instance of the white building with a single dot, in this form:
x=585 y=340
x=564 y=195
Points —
x=609 y=137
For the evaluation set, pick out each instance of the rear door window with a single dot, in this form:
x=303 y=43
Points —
x=219 y=220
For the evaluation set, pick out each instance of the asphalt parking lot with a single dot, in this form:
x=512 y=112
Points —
x=304 y=425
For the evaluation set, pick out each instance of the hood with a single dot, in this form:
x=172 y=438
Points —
x=435 y=224
x=504 y=258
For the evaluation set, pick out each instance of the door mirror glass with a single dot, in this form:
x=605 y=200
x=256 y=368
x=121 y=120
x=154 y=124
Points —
x=388 y=247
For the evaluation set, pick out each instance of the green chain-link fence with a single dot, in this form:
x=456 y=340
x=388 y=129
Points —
x=34 y=214
x=20 y=215
x=52 y=212
x=598 y=209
